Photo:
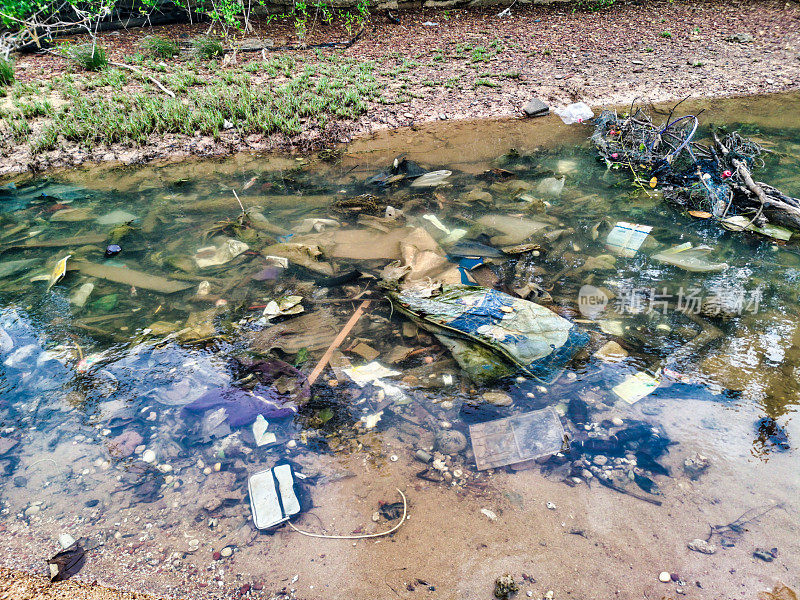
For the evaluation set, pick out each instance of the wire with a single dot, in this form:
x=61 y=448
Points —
x=361 y=536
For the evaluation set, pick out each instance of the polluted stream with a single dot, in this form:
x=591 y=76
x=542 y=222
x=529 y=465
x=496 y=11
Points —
x=466 y=360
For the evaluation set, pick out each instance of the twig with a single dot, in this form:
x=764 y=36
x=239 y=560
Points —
x=338 y=341
x=365 y=536
x=160 y=86
x=244 y=212
x=609 y=484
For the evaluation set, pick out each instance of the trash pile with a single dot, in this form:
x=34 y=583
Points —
x=711 y=180
x=222 y=342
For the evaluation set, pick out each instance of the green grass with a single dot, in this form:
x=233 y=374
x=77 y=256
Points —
x=90 y=57
x=319 y=92
x=666 y=34
x=156 y=46
x=206 y=48
x=6 y=72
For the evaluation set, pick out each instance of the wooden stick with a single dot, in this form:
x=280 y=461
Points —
x=169 y=93
x=338 y=341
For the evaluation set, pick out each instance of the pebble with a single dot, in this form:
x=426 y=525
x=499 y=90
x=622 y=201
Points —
x=702 y=546
x=32 y=510
x=551 y=506
x=617 y=422
x=217 y=467
x=600 y=460
x=149 y=456
x=394 y=458
x=226 y=552
x=498 y=398
x=664 y=577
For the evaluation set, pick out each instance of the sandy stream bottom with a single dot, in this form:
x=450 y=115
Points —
x=595 y=543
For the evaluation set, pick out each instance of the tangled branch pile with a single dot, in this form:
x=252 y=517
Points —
x=710 y=180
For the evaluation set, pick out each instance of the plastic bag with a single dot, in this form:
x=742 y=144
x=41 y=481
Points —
x=575 y=113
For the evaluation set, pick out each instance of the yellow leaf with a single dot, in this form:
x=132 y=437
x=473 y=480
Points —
x=653 y=182
x=700 y=214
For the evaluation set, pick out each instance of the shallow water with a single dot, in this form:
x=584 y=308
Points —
x=97 y=443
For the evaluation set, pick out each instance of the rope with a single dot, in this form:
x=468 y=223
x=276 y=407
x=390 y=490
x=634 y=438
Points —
x=361 y=536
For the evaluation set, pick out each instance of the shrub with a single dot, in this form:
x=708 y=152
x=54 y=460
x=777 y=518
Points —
x=207 y=47
x=6 y=71
x=157 y=46
x=91 y=57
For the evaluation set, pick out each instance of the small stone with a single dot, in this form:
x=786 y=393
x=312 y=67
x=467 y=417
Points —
x=498 y=398
x=600 y=460
x=535 y=108
x=698 y=545
x=394 y=458
x=664 y=577
x=149 y=456
x=376 y=516
x=696 y=465
x=217 y=467
x=617 y=422
x=65 y=540
x=551 y=506
x=505 y=587
x=32 y=510
x=226 y=552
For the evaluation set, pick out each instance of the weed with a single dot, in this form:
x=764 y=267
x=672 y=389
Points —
x=6 y=71
x=206 y=48
x=486 y=83
x=592 y=5
x=91 y=57
x=479 y=54
x=18 y=128
x=666 y=34
x=157 y=46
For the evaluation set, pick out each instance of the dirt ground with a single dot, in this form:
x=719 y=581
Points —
x=431 y=70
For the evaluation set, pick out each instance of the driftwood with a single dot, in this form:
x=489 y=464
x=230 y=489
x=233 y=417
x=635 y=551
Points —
x=335 y=45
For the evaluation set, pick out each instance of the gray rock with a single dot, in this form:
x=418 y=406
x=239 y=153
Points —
x=702 y=546
x=696 y=465
x=535 y=108
x=450 y=441
x=740 y=38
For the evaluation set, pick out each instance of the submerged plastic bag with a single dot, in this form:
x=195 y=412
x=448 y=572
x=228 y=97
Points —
x=528 y=336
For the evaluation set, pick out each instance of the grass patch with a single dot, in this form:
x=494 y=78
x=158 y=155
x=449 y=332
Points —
x=90 y=57
x=486 y=83
x=206 y=48
x=156 y=46
x=317 y=92
x=6 y=71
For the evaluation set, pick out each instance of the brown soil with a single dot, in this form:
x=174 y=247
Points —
x=658 y=52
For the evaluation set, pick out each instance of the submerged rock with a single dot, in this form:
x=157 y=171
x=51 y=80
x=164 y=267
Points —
x=116 y=217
